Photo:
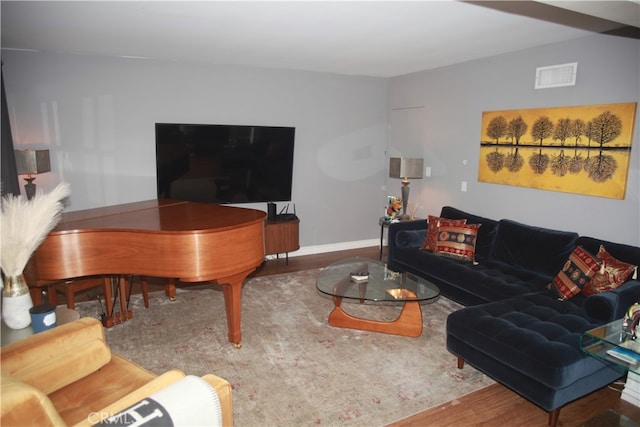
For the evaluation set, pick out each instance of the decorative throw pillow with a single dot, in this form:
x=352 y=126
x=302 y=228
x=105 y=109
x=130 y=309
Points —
x=576 y=273
x=458 y=241
x=613 y=274
x=433 y=224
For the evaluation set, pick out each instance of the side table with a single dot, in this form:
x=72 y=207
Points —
x=281 y=236
x=63 y=315
x=608 y=343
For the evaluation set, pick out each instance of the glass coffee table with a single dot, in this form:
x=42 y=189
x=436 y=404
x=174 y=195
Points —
x=368 y=281
x=608 y=343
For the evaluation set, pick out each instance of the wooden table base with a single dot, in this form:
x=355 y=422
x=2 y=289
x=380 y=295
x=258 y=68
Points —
x=407 y=324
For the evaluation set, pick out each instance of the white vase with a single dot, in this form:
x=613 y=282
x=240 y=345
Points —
x=16 y=302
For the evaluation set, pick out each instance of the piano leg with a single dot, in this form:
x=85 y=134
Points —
x=125 y=313
x=232 y=290
x=170 y=289
x=107 y=319
x=112 y=317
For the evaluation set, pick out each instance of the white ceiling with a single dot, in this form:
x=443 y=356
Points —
x=371 y=38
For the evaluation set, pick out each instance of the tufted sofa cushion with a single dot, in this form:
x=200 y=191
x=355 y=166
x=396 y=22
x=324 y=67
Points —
x=461 y=280
x=535 y=335
x=533 y=248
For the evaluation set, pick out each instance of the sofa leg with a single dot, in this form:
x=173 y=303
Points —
x=460 y=363
x=553 y=417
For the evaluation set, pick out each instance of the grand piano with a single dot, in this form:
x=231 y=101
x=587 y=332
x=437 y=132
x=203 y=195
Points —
x=192 y=242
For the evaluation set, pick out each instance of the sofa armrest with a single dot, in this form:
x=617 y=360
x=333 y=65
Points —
x=612 y=305
x=403 y=227
x=43 y=360
x=221 y=386
x=19 y=399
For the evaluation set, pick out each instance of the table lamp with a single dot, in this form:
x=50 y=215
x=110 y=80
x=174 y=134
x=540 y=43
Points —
x=32 y=162
x=405 y=168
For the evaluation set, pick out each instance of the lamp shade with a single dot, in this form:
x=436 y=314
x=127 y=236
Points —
x=32 y=162
x=402 y=167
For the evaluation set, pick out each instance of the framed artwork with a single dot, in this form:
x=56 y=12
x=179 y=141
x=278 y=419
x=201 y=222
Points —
x=581 y=150
x=394 y=206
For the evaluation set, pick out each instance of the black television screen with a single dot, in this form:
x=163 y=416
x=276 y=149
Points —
x=224 y=163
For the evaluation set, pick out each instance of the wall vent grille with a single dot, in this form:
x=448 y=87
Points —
x=556 y=75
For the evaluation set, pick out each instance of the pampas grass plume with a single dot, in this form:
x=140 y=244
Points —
x=24 y=224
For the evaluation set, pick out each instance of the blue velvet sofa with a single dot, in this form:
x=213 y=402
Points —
x=514 y=327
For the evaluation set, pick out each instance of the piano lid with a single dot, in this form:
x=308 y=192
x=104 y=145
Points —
x=159 y=215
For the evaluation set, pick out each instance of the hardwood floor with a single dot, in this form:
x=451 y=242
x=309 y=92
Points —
x=495 y=405
x=313 y=261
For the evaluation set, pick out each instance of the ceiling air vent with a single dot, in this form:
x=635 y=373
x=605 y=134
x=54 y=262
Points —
x=556 y=75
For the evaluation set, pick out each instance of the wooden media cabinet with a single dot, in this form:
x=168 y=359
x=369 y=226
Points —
x=281 y=237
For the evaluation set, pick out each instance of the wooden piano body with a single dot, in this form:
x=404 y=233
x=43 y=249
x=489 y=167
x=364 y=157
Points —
x=192 y=242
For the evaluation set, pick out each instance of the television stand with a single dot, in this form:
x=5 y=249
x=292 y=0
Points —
x=281 y=237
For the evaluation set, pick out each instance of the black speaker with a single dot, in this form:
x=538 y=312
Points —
x=271 y=211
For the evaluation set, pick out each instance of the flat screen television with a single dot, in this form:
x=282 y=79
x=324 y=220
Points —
x=224 y=163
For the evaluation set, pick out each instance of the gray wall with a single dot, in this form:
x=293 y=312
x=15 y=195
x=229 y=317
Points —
x=97 y=117
x=451 y=101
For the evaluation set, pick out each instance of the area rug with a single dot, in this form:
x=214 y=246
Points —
x=294 y=369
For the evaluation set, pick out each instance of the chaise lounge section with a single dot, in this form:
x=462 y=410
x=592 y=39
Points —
x=516 y=328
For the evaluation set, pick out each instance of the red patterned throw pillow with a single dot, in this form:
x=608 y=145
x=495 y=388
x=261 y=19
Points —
x=434 y=223
x=576 y=273
x=458 y=241
x=613 y=274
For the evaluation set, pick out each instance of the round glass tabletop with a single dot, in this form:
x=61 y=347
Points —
x=366 y=279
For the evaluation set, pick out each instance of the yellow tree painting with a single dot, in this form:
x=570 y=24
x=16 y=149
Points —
x=582 y=150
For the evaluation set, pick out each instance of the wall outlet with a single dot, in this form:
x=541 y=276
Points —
x=427 y=172
x=463 y=186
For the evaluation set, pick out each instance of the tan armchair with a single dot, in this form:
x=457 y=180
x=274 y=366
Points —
x=68 y=376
